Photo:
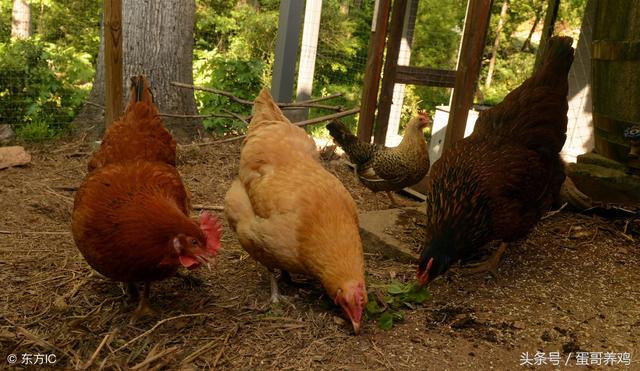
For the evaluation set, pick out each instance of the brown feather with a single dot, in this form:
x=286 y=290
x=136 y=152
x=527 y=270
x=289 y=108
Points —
x=497 y=183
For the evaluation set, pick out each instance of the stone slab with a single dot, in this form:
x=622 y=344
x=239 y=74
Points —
x=13 y=156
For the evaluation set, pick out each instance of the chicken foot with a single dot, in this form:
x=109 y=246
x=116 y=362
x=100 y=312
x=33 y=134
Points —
x=132 y=292
x=491 y=263
x=143 y=309
x=396 y=203
x=276 y=297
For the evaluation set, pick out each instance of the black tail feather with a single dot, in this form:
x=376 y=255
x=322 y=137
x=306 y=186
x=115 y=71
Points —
x=558 y=57
x=340 y=133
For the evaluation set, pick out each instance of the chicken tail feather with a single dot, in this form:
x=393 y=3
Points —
x=557 y=61
x=140 y=91
x=535 y=114
x=266 y=109
x=340 y=133
x=359 y=152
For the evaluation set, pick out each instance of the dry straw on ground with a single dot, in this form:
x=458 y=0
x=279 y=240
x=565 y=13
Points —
x=572 y=285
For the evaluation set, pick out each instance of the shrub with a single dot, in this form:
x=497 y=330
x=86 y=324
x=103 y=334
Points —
x=242 y=77
x=41 y=86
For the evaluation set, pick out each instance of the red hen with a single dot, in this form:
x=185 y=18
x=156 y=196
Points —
x=131 y=215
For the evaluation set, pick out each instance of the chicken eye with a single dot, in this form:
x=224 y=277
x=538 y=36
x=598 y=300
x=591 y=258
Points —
x=194 y=242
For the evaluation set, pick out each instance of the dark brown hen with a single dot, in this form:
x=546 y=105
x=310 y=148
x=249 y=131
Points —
x=497 y=183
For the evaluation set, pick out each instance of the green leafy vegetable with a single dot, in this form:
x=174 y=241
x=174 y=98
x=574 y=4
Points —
x=385 y=305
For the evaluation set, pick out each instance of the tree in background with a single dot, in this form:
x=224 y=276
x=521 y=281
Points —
x=157 y=42
x=44 y=77
x=520 y=33
x=21 y=19
x=496 y=43
x=233 y=50
x=436 y=40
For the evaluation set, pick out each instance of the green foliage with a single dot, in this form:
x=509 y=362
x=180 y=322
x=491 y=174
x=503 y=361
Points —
x=385 y=306
x=571 y=11
x=509 y=73
x=69 y=23
x=45 y=79
x=39 y=89
x=233 y=52
x=36 y=131
x=242 y=77
x=341 y=57
x=437 y=35
x=5 y=20
x=514 y=65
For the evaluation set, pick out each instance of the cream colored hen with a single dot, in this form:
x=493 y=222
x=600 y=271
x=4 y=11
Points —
x=289 y=213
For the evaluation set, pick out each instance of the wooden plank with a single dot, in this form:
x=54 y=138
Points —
x=425 y=76
x=113 y=60
x=547 y=29
x=308 y=49
x=609 y=50
x=404 y=59
x=389 y=74
x=371 y=84
x=471 y=50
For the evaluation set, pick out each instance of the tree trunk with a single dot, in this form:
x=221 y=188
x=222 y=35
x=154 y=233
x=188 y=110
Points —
x=527 y=42
x=157 y=42
x=21 y=19
x=344 y=7
x=496 y=43
x=255 y=4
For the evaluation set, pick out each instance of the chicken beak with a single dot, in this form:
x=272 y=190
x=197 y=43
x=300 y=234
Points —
x=423 y=277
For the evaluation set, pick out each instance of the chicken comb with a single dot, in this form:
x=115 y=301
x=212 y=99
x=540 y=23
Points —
x=210 y=225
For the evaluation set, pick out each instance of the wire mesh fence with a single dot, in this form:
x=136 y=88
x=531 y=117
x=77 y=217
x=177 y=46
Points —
x=580 y=135
x=45 y=75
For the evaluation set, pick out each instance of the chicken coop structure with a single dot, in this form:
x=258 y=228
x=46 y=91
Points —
x=457 y=119
x=388 y=70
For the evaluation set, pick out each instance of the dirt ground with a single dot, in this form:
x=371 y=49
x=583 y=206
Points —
x=571 y=287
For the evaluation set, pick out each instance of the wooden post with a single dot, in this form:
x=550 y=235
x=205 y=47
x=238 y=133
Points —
x=308 y=49
x=286 y=54
x=547 y=29
x=113 y=60
x=372 y=72
x=390 y=67
x=469 y=61
x=404 y=58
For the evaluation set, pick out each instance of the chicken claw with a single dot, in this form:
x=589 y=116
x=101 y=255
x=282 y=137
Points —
x=491 y=263
x=397 y=203
x=276 y=297
x=143 y=309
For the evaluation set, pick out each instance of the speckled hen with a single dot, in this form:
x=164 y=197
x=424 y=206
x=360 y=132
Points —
x=387 y=169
